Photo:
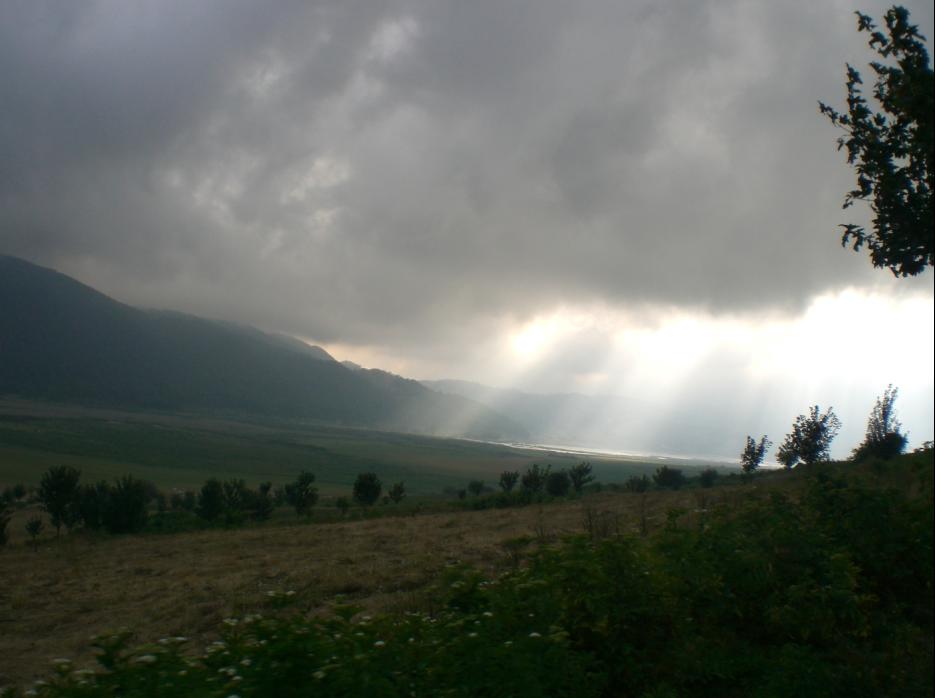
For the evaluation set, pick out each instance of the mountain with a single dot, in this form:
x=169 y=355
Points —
x=64 y=341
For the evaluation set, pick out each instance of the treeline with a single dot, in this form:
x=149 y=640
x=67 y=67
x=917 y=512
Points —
x=132 y=505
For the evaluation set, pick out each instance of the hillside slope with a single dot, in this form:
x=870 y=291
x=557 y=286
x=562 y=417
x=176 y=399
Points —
x=62 y=340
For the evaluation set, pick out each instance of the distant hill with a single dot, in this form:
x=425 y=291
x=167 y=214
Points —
x=62 y=340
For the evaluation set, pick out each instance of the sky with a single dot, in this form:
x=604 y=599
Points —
x=636 y=199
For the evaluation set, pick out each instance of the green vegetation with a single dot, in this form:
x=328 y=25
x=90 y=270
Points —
x=825 y=592
x=891 y=148
x=182 y=452
x=809 y=442
x=884 y=437
x=753 y=454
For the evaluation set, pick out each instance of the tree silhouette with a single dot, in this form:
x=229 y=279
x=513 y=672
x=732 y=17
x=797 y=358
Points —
x=891 y=149
x=367 y=488
x=810 y=438
x=883 y=438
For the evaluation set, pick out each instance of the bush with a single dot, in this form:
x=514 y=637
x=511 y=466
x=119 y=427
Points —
x=125 y=509
x=580 y=476
x=667 y=478
x=397 y=492
x=92 y=502
x=4 y=522
x=211 y=500
x=58 y=494
x=708 y=477
x=303 y=495
x=533 y=480
x=636 y=483
x=508 y=480
x=367 y=489
x=475 y=487
x=557 y=484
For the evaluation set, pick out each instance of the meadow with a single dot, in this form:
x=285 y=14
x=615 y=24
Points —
x=182 y=451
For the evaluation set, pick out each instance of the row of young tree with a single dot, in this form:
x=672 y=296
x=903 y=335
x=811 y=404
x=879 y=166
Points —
x=809 y=442
x=125 y=506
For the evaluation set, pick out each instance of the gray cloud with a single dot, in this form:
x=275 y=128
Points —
x=410 y=174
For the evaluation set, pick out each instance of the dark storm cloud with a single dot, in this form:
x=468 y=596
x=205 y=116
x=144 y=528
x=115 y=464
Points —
x=410 y=174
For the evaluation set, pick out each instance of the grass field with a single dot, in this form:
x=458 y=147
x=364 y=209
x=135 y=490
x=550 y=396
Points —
x=182 y=451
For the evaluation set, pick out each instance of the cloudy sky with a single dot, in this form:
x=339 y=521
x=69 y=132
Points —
x=629 y=198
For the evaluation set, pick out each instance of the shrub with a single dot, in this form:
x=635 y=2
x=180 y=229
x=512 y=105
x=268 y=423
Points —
x=58 y=494
x=557 y=484
x=667 y=478
x=34 y=527
x=708 y=477
x=580 y=476
x=263 y=502
x=4 y=522
x=125 y=509
x=367 y=489
x=343 y=505
x=211 y=500
x=508 y=480
x=92 y=502
x=475 y=487
x=302 y=494
x=397 y=492
x=533 y=480
x=636 y=483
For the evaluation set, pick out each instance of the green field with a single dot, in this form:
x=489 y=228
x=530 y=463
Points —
x=182 y=451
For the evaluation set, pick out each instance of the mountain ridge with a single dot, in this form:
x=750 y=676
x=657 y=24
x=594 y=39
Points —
x=63 y=340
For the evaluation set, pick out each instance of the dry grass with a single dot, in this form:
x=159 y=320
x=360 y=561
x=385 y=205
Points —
x=52 y=601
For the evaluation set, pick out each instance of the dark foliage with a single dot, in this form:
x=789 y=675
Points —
x=891 y=148
x=211 y=500
x=125 y=510
x=58 y=494
x=397 y=492
x=810 y=440
x=508 y=480
x=557 y=484
x=884 y=438
x=636 y=483
x=580 y=476
x=753 y=454
x=533 y=480
x=367 y=489
x=667 y=478
x=708 y=477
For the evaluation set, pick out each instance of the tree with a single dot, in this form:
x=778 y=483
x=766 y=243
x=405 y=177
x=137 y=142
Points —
x=92 y=501
x=475 y=487
x=580 y=476
x=810 y=440
x=397 y=492
x=4 y=522
x=367 y=488
x=342 y=504
x=302 y=494
x=34 y=527
x=668 y=478
x=708 y=477
x=58 y=493
x=557 y=484
x=533 y=479
x=891 y=149
x=238 y=499
x=753 y=454
x=125 y=508
x=508 y=480
x=636 y=483
x=263 y=502
x=883 y=439
x=211 y=500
